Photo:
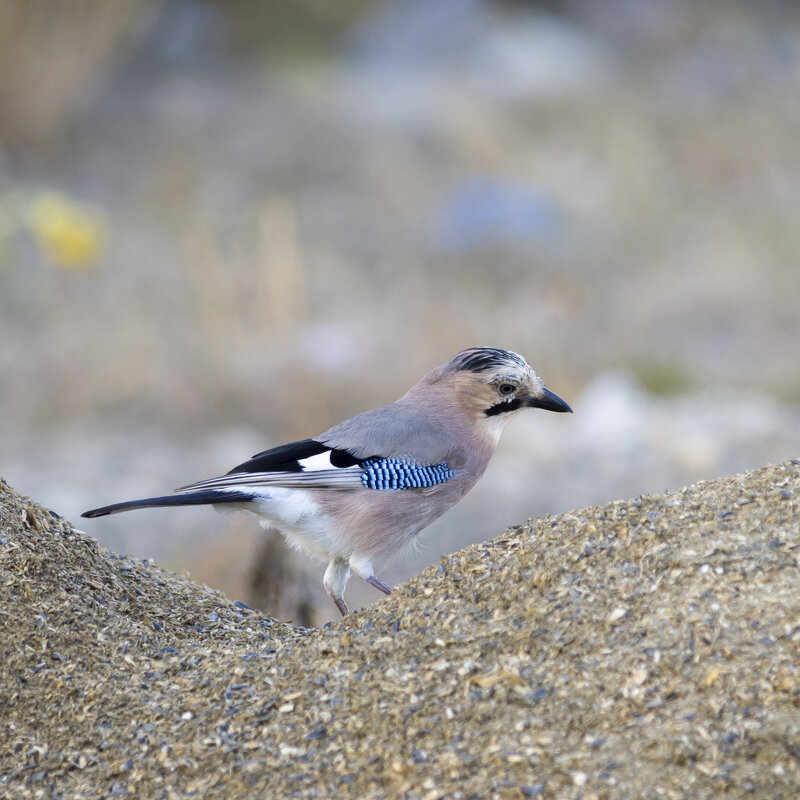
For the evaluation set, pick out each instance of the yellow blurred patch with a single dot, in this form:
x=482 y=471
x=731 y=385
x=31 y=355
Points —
x=71 y=235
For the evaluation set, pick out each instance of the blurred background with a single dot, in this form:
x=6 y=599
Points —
x=225 y=225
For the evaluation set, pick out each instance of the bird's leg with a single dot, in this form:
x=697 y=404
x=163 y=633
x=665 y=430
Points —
x=378 y=584
x=340 y=604
x=363 y=569
x=335 y=580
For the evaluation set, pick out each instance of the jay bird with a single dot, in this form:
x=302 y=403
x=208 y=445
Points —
x=354 y=495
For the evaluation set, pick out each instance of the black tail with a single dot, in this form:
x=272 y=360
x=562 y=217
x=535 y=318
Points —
x=190 y=499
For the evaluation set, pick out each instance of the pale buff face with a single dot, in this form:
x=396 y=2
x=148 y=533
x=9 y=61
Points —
x=483 y=387
x=484 y=398
x=497 y=393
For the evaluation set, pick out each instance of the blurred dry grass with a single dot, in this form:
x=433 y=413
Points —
x=55 y=58
x=304 y=211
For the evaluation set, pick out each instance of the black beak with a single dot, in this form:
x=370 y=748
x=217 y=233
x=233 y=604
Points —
x=548 y=401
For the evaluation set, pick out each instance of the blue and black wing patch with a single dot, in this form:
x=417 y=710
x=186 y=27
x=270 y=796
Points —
x=393 y=473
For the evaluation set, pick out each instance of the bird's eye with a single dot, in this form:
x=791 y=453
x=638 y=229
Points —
x=506 y=389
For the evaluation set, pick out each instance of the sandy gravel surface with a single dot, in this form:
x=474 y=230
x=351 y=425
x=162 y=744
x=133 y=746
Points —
x=640 y=649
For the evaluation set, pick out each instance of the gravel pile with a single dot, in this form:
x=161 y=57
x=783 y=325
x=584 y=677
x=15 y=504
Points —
x=641 y=649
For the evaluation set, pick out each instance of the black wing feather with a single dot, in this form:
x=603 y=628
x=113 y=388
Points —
x=287 y=457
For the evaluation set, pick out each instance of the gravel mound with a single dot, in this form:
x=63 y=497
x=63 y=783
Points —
x=646 y=648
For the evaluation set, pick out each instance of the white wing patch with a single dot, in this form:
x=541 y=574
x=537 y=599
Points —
x=317 y=462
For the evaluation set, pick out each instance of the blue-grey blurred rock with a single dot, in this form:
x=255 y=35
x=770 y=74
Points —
x=482 y=211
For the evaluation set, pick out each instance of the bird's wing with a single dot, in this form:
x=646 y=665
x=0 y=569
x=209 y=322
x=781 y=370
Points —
x=396 y=431
x=311 y=464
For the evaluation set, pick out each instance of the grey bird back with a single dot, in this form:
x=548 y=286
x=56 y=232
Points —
x=394 y=431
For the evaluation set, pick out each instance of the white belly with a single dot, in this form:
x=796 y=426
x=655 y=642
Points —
x=297 y=516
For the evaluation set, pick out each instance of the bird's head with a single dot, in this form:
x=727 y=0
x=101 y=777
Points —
x=491 y=385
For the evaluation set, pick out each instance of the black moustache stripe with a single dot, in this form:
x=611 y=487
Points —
x=502 y=408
